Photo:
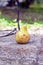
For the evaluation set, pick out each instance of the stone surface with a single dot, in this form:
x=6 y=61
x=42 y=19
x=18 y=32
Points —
x=31 y=53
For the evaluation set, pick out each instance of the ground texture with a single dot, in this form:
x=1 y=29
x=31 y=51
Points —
x=12 y=53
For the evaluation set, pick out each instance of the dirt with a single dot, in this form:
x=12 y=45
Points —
x=12 y=53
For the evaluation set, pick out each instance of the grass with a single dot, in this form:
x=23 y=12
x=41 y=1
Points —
x=36 y=23
x=6 y=22
x=11 y=24
x=37 y=8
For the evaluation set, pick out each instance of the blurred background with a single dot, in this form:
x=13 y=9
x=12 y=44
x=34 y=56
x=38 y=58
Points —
x=33 y=13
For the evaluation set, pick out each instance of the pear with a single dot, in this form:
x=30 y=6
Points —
x=22 y=36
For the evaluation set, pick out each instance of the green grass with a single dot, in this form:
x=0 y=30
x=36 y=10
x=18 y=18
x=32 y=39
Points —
x=37 y=8
x=5 y=22
x=36 y=23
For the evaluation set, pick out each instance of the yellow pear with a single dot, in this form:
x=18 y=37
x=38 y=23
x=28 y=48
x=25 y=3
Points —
x=22 y=36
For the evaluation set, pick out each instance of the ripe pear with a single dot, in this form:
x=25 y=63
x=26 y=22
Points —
x=22 y=36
